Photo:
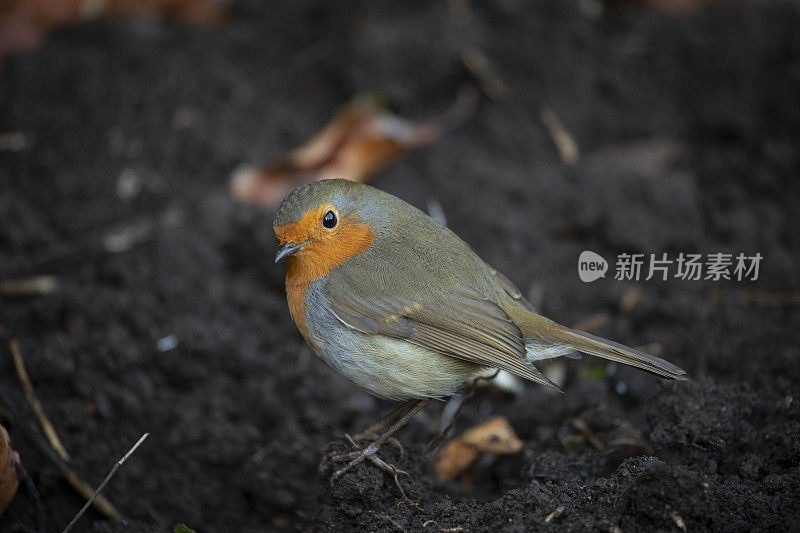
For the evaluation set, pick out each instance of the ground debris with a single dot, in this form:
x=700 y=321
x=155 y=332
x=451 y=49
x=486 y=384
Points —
x=359 y=141
x=564 y=140
x=555 y=514
x=9 y=480
x=495 y=436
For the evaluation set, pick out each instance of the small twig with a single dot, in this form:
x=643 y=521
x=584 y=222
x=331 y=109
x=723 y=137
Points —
x=36 y=405
x=34 y=286
x=101 y=503
x=476 y=62
x=631 y=442
x=564 y=140
x=403 y=493
x=555 y=514
x=678 y=519
x=105 y=481
x=397 y=482
x=390 y=519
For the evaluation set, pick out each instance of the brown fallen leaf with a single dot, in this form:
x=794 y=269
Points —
x=360 y=140
x=9 y=481
x=24 y=24
x=495 y=436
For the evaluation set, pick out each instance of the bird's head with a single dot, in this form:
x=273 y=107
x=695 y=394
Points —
x=324 y=223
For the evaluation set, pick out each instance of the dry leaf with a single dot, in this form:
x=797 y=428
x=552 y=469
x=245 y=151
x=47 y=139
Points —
x=495 y=436
x=8 y=470
x=24 y=24
x=359 y=141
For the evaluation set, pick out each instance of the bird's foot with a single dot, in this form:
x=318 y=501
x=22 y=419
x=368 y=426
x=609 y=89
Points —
x=411 y=408
x=359 y=455
x=371 y=437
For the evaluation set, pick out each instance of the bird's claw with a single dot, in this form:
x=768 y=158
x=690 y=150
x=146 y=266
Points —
x=372 y=437
x=358 y=456
x=405 y=413
x=352 y=441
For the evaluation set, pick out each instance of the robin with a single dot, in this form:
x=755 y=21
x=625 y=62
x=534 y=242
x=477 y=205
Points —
x=406 y=310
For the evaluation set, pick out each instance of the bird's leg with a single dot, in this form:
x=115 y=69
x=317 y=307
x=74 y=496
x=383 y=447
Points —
x=370 y=451
x=371 y=431
x=447 y=428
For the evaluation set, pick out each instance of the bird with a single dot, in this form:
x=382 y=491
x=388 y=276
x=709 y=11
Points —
x=406 y=310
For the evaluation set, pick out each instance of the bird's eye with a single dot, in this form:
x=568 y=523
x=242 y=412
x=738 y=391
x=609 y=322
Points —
x=329 y=220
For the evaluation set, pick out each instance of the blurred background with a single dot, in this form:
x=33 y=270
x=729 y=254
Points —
x=143 y=148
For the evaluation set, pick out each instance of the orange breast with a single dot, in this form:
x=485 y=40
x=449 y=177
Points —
x=295 y=293
x=326 y=249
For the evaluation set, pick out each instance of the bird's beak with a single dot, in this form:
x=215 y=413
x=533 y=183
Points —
x=289 y=248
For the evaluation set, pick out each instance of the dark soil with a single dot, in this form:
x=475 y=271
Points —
x=240 y=411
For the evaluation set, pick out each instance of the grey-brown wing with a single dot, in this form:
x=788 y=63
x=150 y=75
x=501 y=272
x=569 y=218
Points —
x=511 y=289
x=462 y=324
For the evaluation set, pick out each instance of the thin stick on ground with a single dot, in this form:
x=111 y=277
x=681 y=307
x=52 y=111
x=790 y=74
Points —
x=476 y=62
x=36 y=405
x=101 y=503
x=563 y=139
x=105 y=481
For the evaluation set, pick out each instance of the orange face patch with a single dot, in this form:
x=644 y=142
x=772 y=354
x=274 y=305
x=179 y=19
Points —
x=325 y=249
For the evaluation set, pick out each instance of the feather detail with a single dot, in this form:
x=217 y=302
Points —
x=537 y=351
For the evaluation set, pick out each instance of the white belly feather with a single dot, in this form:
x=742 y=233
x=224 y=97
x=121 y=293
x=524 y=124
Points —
x=386 y=367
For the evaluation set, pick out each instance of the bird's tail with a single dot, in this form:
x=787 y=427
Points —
x=545 y=339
